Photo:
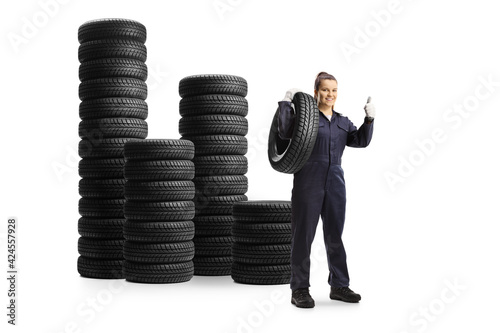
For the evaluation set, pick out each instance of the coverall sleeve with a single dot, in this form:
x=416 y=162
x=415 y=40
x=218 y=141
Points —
x=286 y=120
x=360 y=138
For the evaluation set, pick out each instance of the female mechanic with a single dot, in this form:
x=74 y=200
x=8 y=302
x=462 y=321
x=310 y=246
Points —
x=319 y=190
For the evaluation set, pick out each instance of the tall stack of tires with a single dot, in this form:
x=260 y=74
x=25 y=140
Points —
x=112 y=111
x=159 y=211
x=213 y=110
x=262 y=242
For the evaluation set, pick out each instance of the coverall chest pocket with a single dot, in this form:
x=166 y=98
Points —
x=323 y=130
x=320 y=150
x=342 y=133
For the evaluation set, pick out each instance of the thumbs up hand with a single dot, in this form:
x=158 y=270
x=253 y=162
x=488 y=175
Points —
x=370 y=109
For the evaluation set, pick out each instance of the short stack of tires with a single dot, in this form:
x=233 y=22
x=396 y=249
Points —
x=113 y=111
x=159 y=211
x=213 y=110
x=262 y=242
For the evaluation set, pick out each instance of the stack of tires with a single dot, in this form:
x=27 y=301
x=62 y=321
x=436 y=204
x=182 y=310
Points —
x=213 y=110
x=113 y=111
x=262 y=242
x=159 y=211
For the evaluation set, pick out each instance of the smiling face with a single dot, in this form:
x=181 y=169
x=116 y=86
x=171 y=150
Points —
x=326 y=93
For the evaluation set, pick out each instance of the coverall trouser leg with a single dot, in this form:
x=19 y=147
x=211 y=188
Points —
x=333 y=217
x=319 y=190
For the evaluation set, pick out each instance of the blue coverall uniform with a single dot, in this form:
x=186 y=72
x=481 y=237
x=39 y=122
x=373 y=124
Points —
x=319 y=190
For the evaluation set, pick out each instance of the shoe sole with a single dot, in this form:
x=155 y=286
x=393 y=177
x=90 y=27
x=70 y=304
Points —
x=344 y=300
x=303 y=306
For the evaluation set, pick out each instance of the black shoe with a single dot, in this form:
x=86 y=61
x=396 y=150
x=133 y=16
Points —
x=344 y=294
x=302 y=299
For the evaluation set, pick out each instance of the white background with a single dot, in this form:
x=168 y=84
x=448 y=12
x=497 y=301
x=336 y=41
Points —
x=406 y=244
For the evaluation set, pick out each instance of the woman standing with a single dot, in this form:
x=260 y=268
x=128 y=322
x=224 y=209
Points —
x=319 y=190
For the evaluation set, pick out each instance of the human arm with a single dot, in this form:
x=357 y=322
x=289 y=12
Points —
x=286 y=115
x=361 y=137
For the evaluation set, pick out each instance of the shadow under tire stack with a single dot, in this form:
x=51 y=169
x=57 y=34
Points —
x=159 y=210
x=113 y=110
x=213 y=109
x=262 y=242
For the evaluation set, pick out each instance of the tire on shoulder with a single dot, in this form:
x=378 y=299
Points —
x=289 y=156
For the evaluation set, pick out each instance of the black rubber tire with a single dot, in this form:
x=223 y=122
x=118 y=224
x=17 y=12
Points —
x=212 y=246
x=159 y=170
x=268 y=239
x=212 y=266
x=217 y=205
x=159 y=253
x=263 y=218
x=263 y=211
x=264 y=229
x=112 y=48
x=219 y=144
x=101 y=208
x=102 y=148
x=213 y=225
x=218 y=84
x=212 y=231
x=112 y=28
x=212 y=165
x=289 y=156
x=260 y=280
x=266 y=233
x=208 y=220
x=101 y=168
x=158 y=232
x=113 y=67
x=158 y=273
x=101 y=228
x=159 y=149
x=213 y=104
x=96 y=129
x=262 y=207
x=213 y=221
x=180 y=190
x=267 y=259
x=120 y=87
x=159 y=211
x=114 y=108
x=101 y=188
x=221 y=185
x=261 y=254
x=213 y=124
x=100 y=269
x=260 y=274
x=101 y=249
